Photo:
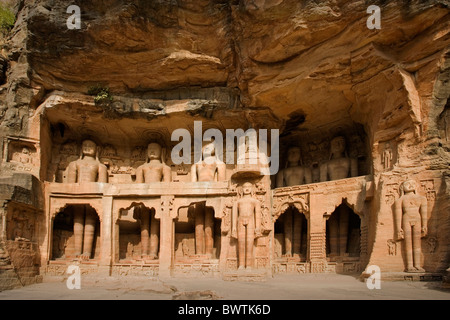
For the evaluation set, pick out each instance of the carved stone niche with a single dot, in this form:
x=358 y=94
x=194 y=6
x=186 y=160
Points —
x=291 y=211
x=339 y=153
x=21 y=223
x=21 y=154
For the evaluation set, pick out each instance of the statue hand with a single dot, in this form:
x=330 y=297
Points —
x=424 y=231
x=400 y=235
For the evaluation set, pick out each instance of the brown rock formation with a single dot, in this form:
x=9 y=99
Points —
x=309 y=68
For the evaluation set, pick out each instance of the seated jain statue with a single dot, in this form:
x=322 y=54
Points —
x=294 y=173
x=210 y=168
x=411 y=222
x=155 y=169
x=88 y=168
x=246 y=224
x=339 y=166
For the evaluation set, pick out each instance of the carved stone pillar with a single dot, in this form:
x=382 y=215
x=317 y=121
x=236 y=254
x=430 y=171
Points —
x=166 y=251
x=316 y=236
x=3 y=211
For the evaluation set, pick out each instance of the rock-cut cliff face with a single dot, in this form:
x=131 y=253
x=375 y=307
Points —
x=311 y=60
x=312 y=69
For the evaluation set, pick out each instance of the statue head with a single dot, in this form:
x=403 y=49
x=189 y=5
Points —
x=337 y=146
x=408 y=186
x=294 y=155
x=246 y=189
x=25 y=151
x=88 y=148
x=209 y=150
x=154 y=151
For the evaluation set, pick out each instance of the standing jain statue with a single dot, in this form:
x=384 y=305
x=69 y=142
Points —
x=208 y=169
x=86 y=169
x=294 y=174
x=246 y=224
x=154 y=170
x=410 y=212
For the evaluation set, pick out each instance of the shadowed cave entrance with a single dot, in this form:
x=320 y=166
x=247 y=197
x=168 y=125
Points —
x=197 y=234
x=76 y=231
x=139 y=234
x=291 y=235
x=343 y=234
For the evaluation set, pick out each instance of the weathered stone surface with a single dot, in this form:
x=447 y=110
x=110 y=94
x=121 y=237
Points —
x=311 y=69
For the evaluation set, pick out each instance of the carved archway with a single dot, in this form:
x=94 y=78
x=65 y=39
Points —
x=59 y=204
x=136 y=235
x=62 y=237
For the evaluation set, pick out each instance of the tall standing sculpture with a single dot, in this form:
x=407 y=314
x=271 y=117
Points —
x=294 y=174
x=246 y=224
x=410 y=212
x=154 y=170
x=86 y=169
x=339 y=166
x=209 y=169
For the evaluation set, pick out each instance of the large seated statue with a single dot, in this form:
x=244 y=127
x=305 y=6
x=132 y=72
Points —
x=155 y=169
x=339 y=166
x=294 y=173
x=88 y=168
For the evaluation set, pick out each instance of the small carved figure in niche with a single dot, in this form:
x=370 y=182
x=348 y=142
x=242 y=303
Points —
x=18 y=231
x=130 y=250
x=392 y=247
x=411 y=223
x=185 y=248
x=387 y=157
x=246 y=224
x=155 y=169
x=339 y=166
x=88 y=168
x=4 y=257
x=432 y=243
x=294 y=173
x=23 y=157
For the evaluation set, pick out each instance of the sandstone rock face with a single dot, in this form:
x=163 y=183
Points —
x=312 y=69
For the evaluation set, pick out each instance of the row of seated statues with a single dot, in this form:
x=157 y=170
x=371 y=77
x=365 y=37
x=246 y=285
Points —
x=89 y=169
x=410 y=210
x=339 y=166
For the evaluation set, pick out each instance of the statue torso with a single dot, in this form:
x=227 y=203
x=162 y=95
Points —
x=205 y=172
x=153 y=172
x=294 y=176
x=339 y=168
x=87 y=170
